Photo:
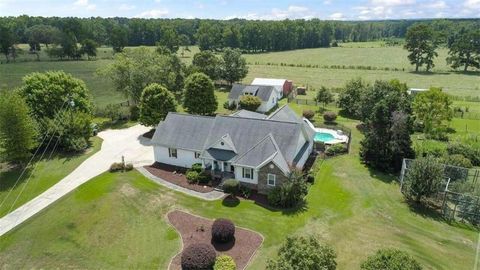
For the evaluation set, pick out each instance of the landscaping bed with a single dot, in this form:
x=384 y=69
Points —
x=194 y=229
x=176 y=175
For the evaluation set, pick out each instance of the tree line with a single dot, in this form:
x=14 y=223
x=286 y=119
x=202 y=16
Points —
x=422 y=40
x=247 y=35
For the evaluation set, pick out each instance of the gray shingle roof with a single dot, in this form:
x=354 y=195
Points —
x=262 y=91
x=284 y=113
x=219 y=154
x=248 y=114
x=247 y=132
x=183 y=131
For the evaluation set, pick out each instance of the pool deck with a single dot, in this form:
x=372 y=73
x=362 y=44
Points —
x=338 y=138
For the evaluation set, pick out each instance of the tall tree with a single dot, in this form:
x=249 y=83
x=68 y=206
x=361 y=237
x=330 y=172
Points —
x=388 y=124
x=170 y=39
x=46 y=93
x=433 y=110
x=234 y=66
x=207 y=62
x=89 y=47
x=423 y=178
x=199 y=96
x=421 y=43
x=118 y=38
x=350 y=97
x=134 y=69
x=17 y=129
x=465 y=50
x=7 y=41
x=155 y=103
x=324 y=96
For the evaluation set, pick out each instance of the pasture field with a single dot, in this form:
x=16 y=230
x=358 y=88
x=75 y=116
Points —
x=373 y=54
x=118 y=221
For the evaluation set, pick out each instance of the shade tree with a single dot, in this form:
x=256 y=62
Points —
x=199 y=95
x=155 y=103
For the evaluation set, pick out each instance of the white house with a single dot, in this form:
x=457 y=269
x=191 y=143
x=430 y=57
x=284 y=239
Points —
x=259 y=152
x=282 y=86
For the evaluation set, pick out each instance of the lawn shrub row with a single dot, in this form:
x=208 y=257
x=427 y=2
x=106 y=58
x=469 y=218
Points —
x=120 y=167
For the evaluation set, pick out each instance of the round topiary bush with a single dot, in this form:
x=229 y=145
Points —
x=192 y=176
x=224 y=262
x=329 y=116
x=198 y=256
x=309 y=114
x=223 y=230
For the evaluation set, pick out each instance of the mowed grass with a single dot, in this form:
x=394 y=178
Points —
x=38 y=177
x=118 y=221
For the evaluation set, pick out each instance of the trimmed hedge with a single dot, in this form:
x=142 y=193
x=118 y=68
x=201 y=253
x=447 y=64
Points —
x=198 y=256
x=120 y=167
x=223 y=230
x=309 y=114
x=224 y=262
x=197 y=167
x=336 y=149
x=329 y=116
x=231 y=186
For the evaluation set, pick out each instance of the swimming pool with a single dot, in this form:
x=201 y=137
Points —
x=323 y=137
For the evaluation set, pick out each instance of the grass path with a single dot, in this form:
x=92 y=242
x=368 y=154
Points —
x=118 y=221
x=46 y=174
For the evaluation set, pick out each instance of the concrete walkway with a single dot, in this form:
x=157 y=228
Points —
x=116 y=143
x=209 y=196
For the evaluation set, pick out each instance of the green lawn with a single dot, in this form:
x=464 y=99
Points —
x=46 y=173
x=118 y=221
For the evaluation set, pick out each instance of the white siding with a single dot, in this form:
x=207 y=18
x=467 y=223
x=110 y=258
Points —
x=268 y=105
x=239 y=176
x=185 y=158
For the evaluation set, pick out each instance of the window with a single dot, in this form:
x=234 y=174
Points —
x=172 y=152
x=197 y=155
x=271 y=178
x=247 y=173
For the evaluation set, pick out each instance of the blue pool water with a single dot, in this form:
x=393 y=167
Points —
x=323 y=137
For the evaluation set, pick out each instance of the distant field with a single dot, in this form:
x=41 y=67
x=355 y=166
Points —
x=372 y=54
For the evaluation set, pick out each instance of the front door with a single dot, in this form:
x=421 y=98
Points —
x=226 y=166
x=215 y=165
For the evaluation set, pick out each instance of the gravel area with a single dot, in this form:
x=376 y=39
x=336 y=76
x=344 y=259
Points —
x=194 y=229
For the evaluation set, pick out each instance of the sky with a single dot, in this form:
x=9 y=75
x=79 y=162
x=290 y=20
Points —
x=247 y=9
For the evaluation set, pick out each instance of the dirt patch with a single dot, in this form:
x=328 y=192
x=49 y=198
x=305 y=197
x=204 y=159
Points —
x=176 y=175
x=128 y=190
x=195 y=229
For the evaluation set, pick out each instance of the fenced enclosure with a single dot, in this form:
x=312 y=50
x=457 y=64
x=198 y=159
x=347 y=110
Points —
x=457 y=197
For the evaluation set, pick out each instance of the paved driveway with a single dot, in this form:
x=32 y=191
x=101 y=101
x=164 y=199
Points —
x=116 y=143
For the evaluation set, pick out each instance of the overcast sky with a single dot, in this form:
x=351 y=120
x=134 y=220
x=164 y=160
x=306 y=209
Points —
x=249 y=9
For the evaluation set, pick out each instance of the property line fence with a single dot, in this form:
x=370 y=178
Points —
x=303 y=101
x=456 y=201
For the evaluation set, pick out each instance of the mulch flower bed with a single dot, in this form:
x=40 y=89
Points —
x=195 y=229
x=176 y=175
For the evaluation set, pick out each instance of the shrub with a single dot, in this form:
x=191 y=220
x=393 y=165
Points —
x=457 y=160
x=198 y=256
x=245 y=191
x=298 y=252
x=336 y=149
x=224 y=262
x=311 y=177
x=134 y=112
x=468 y=151
x=423 y=178
x=229 y=106
x=204 y=177
x=231 y=186
x=128 y=167
x=117 y=166
x=290 y=193
x=329 y=116
x=192 y=176
x=197 y=167
x=309 y=114
x=390 y=259
x=250 y=103
x=223 y=230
